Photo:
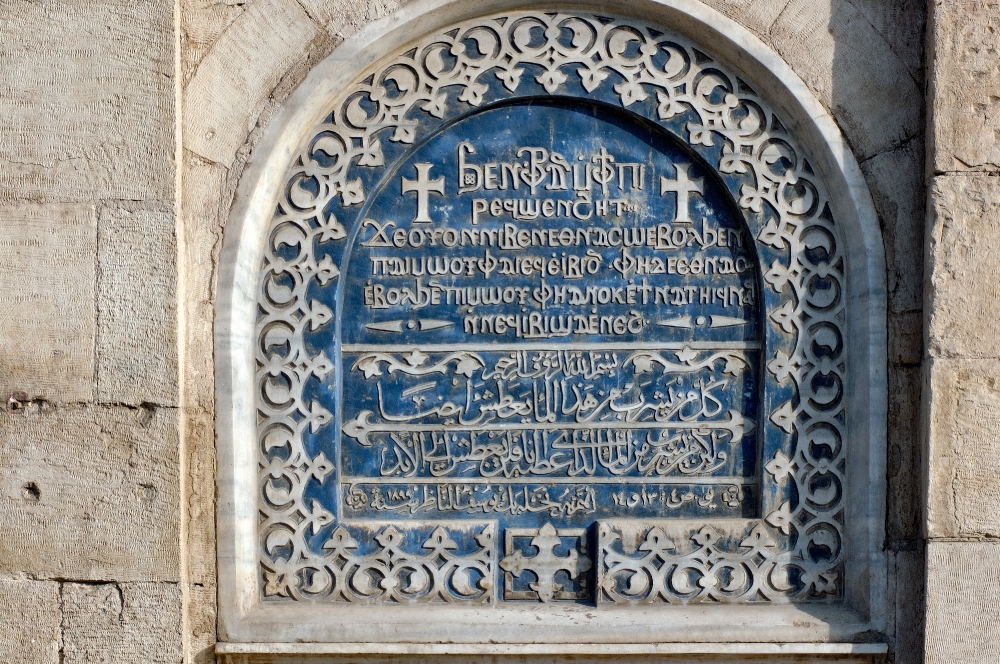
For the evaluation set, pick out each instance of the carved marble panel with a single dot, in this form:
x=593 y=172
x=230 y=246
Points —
x=545 y=280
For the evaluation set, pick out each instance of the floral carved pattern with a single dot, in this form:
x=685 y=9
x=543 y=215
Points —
x=706 y=104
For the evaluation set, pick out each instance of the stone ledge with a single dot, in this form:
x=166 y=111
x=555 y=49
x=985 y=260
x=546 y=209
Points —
x=868 y=650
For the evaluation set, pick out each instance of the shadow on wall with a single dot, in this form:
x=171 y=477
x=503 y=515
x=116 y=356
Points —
x=876 y=96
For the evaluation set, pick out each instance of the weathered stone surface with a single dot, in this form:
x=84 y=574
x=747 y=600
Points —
x=902 y=24
x=200 y=448
x=136 y=307
x=202 y=22
x=226 y=94
x=86 y=97
x=201 y=620
x=895 y=179
x=906 y=592
x=29 y=622
x=964 y=448
x=554 y=659
x=832 y=46
x=962 y=266
x=905 y=485
x=756 y=15
x=90 y=493
x=963 y=612
x=205 y=187
x=204 y=193
x=47 y=257
x=906 y=338
x=121 y=623
x=965 y=80
x=343 y=18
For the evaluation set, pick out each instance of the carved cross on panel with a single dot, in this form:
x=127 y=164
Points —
x=423 y=185
x=683 y=186
x=547 y=564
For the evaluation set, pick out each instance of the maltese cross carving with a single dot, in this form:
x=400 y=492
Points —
x=546 y=564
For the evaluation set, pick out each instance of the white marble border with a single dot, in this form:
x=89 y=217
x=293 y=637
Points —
x=594 y=649
x=242 y=617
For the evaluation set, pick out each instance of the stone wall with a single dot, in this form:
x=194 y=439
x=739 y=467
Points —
x=962 y=394
x=107 y=446
x=90 y=565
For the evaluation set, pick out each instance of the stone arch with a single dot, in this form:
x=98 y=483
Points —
x=821 y=188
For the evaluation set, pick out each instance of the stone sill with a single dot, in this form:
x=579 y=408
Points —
x=846 y=652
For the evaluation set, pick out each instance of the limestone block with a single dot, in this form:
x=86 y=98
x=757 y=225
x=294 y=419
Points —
x=202 y=22
x=834 y=48
x=964 y=448
x=204 y=196
x=90 y=493
x=200 y=447
x=86 y=97
x=963 y=268
x=895 y=180
x=136 y=307
x=756 y=16
x=906 y=338
x=963 y=610
x=905 y=472
x=906 y=594
x=226 y=94
x=47 y=296
x=902 y=24
x=29 y=622
x=964 y=78
x=122 y=623
x=201 y=619
x=342 y=18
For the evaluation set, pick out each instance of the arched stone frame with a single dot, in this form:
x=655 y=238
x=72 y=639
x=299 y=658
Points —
x=862 y=304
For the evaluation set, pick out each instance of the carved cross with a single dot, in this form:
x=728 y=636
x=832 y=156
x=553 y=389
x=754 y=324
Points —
x=423 y=185
x=683 y=186
x=546 y=564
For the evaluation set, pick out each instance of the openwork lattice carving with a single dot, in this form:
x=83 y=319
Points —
x=796 y=551
x=680 y=563
x=394 y=574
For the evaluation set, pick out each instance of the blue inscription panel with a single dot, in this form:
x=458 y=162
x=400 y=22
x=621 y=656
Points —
x=550 y=314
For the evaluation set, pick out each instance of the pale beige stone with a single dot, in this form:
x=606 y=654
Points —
x=47 y=257
x=29 y=622
x=963 y=269
x=90 y=493
x=832 y=46
x=225 y=96
x=86 y=97
x=342 y=18
x=205 y=194
x=199 y=438
x=136 y=307
x=205 y=187
x=963 y=602
x=202 y=22
x=965 y=85
x=201 y=624
x=122 y=623
x=756 y=15
x=964 y=448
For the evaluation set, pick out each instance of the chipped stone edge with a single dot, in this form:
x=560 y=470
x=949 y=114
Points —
x=242 y=617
